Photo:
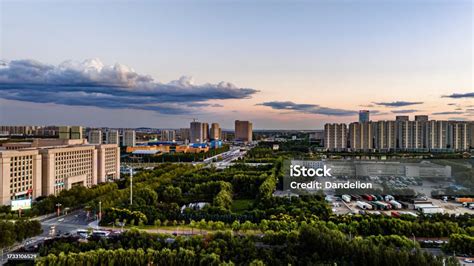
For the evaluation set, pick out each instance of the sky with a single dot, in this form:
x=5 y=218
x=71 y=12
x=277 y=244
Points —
x=280 y=64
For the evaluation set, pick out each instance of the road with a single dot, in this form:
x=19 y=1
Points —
x=68 y=223
x=226 y=158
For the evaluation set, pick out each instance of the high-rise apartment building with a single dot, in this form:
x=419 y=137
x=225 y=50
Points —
x=438 y=135
x=364 y=116
x=460 y=136
x=70 y=132
x=385 y=135
x=65 y=132
x=108 y=162
x=19 y=130
x=168 y=135
x=95 y=137
x=335 y=136
x=471 y=134
x=243 y=131
x=421 y=118
x=420 y=135
x=129 y=138
x=196 y=132
x=215 y=132
x=205 y=131
x=113 y=137
x=76 y=132
x=184 y=134
x=361 y=136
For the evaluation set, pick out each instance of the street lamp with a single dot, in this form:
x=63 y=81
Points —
x=58 y=205
x=99 y=218
x=131 y=185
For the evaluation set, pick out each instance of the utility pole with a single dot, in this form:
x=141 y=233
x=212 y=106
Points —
x=131 y=185
x=99 y=217
x=59 y=206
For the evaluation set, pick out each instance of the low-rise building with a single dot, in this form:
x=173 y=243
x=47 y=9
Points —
x=48 y=166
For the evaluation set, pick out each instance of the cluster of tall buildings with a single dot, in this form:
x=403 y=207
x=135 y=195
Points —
x=112 y=136
x=200 y=132
x=47 y=166
x=46 y=131
x=401 y=134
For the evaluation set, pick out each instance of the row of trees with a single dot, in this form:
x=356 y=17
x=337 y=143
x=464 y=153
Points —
x=460 y=244
x=311 y=244
x=11 y=232
x=373 y=225
x=132 y=257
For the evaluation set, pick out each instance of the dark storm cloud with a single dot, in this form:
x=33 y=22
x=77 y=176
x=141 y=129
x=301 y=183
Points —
x=397 y=103
x=307 y=108
x=459 y=95
x=92 y=83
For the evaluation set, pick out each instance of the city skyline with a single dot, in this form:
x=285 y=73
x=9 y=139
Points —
x=322 y=62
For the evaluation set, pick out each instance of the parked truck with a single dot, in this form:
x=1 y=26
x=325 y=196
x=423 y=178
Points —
x=383 y=205
x=356 y=197
x=346 y=198
x=469 y=205
x=368 y=197
x=461 y=200
x=364 y=205
x=395 y=204
x=389 y=198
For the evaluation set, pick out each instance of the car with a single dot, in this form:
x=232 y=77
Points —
x=61 y=220
x=468 y=260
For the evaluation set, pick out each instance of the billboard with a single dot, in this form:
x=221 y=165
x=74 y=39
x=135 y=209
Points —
x=23 y=204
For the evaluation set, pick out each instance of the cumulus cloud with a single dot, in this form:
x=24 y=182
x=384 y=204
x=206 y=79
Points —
x=459 y=95
x=307 y=108
x=91 y=83
x=408 y=111
x=448 y=113
x=397 y=103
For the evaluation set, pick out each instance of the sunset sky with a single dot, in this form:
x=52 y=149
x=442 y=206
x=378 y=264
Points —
x=281 y=64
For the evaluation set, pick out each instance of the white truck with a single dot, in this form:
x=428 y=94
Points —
x=364 y=205
x=395 y=204
x=346 y=198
